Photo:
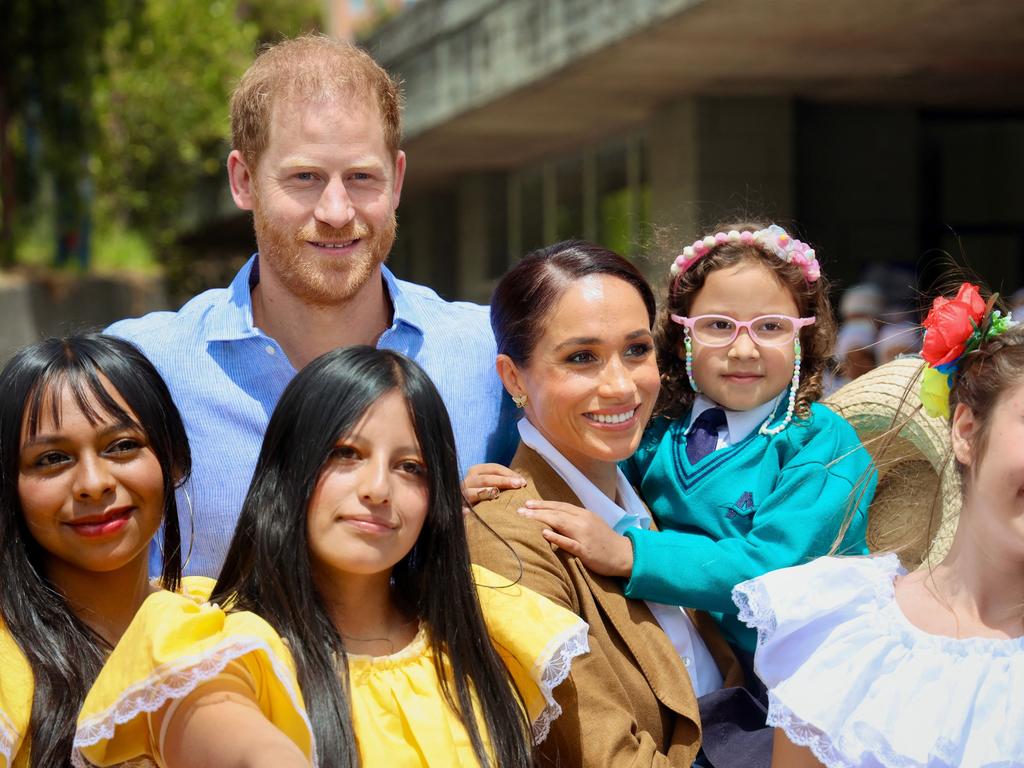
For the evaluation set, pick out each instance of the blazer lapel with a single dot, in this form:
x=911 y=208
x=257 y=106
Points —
x=632 y=619
x=651 y=647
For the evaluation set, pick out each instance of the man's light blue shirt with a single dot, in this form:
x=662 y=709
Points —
x=226 y=376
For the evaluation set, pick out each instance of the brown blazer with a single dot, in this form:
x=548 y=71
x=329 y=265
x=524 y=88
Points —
x=628 y=702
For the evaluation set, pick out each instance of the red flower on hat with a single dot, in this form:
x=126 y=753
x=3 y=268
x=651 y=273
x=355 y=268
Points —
x=950 y=324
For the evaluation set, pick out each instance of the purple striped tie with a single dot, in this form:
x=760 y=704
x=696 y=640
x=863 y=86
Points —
x=703 y=437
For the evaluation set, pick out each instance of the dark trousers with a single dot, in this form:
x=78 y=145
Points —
x=735 y=734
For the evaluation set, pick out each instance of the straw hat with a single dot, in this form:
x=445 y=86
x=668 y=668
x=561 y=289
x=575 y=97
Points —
x=911 y=451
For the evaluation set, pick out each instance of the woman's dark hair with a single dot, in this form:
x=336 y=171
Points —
x=816 y=340
x=66 y=655
x=322 y=403
x=526 y=294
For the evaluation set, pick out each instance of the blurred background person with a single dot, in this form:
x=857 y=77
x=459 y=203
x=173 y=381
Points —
x=902 y=337
x=859 y=310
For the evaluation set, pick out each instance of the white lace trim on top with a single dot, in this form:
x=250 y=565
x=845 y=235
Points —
x=7 y=738
x=902 y=697
x=804 y=734
x=175 y=680
x=755 y=609
x=552 y=668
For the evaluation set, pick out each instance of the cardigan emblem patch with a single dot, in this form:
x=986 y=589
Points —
x=743 y=504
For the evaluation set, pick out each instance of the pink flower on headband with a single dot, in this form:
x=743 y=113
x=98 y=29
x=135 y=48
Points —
x=775 y=238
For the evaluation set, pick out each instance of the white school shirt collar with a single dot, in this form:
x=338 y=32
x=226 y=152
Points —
x=673 y=620
x=738 y=424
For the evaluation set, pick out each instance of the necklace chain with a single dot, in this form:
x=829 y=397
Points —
x=384 y=639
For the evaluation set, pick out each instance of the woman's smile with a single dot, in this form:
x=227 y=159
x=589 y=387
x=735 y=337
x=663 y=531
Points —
x=368 y=524
x=104 y=524
x=613 y=418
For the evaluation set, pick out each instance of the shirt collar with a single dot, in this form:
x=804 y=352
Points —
x=404 y=310
x=633 y=515
x=232 y=319
x=740 y=423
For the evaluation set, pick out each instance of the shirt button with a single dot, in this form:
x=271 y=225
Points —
x=687 y=661
x=270 y=349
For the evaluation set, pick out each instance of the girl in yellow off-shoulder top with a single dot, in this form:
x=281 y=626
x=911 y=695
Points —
x=91 y=448
x=347 y=626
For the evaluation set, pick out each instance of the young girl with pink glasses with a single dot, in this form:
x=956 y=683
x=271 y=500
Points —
x=743 y=470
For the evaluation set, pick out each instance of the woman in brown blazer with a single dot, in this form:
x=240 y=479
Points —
x=572 y=324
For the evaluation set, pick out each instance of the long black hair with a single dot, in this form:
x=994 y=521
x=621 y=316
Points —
x=323 y=402
x=66 y=655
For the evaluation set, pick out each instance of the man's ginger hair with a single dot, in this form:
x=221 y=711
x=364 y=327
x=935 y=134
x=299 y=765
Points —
x=312 y=68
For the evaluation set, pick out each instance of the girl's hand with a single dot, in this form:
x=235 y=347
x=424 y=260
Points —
x=582 y=533
x=485 y=481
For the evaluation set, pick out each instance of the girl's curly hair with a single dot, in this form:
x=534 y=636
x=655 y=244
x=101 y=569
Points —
x=816 y=340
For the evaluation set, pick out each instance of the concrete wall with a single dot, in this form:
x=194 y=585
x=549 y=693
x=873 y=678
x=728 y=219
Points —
x=716 y=159
x=31 y=309
x=454 y=55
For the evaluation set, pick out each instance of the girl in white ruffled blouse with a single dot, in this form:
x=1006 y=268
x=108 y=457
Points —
x=868 y=665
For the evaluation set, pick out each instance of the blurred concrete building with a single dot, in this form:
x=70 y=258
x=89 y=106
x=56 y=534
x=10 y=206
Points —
x=883 y=128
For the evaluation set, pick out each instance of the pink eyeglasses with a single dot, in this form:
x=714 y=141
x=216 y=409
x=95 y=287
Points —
x=722 y=330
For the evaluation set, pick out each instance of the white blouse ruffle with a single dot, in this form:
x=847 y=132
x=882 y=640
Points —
x=852 y=679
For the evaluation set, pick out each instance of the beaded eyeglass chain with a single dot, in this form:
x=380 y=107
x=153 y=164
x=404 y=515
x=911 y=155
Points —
x=791 y=405
x=688 y=346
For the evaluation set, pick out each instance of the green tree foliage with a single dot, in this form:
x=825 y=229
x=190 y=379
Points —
x=133 y=93
x=276 y=19
x=49 y=60
x=162 y=109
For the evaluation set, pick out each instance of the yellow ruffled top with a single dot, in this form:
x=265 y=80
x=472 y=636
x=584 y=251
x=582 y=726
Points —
x=16 y=686
x=399 y=714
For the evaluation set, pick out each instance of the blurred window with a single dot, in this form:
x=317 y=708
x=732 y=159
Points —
x=973 y=198
x=601 y=193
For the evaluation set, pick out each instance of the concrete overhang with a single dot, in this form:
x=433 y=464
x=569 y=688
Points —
x=494 y=85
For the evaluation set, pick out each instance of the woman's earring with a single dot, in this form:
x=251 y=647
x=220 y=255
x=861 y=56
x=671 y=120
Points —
x=688 y=346
x=191 y=528
x=793 y=387
x=191 y=532
x=519 y=400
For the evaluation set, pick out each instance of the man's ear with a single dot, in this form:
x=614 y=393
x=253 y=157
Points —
x=396 y=188
x=964 y=433
x=510 y=375
x=242 y=181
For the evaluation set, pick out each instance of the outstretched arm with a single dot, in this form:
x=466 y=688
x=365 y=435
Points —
x=220 y=725
x=797 y=522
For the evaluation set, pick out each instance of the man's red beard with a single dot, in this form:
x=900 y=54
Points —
x=317 y=277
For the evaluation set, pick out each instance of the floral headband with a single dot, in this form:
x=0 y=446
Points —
x=953 y=329
x=774 y=238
